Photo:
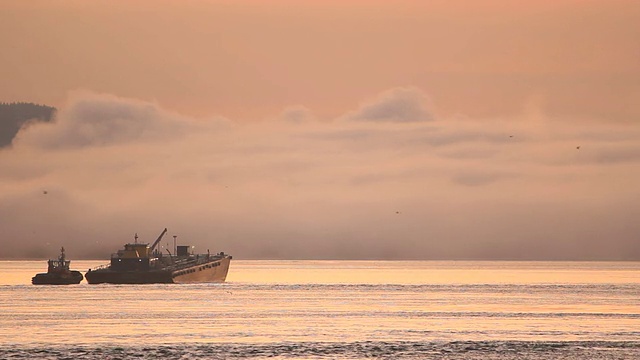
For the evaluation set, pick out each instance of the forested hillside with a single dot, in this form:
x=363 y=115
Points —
x=14 y=115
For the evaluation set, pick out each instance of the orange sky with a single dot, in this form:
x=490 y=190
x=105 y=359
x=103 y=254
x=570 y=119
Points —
x=250 y=59
x=315 y=129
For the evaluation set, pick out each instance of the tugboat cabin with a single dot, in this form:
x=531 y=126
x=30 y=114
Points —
x=58 y=265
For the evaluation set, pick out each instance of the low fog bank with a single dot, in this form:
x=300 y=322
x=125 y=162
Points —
x=388 y=180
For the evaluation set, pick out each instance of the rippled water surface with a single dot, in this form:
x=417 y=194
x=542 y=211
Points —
x=333 y=309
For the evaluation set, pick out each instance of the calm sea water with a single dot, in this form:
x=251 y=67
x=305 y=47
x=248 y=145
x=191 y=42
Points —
x=333 y=309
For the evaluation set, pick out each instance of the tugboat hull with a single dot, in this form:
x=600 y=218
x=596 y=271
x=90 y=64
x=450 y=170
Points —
x=73 y=277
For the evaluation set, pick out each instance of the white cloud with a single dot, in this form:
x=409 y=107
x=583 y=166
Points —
x=100 y=120
x=297 y=114
x=402 y=104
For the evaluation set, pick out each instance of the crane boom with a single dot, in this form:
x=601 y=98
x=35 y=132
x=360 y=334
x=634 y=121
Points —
x=157 y=240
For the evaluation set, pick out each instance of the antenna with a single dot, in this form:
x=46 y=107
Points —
x=175 y=249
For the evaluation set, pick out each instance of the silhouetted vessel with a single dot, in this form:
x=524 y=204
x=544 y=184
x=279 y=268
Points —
x=58 y=273
x=143 y=264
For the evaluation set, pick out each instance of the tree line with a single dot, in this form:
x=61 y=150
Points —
x=15 y=114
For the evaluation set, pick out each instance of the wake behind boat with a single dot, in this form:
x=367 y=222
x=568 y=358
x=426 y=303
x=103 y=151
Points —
x=139 y=263
x=58 y=273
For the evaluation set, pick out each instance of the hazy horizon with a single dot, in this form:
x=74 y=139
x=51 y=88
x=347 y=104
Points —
x=325 y=130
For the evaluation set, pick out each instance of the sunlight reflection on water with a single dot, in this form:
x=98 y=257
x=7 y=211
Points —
x=271 y=302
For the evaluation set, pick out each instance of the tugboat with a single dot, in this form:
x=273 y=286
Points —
x=58 y=273
x=139 y=263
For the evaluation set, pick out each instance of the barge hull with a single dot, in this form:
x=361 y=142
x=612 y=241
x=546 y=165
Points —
x=128 y=277
x=209 y=272
x=212 y=272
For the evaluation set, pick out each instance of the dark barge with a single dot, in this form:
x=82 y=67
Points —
x=139 y=263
